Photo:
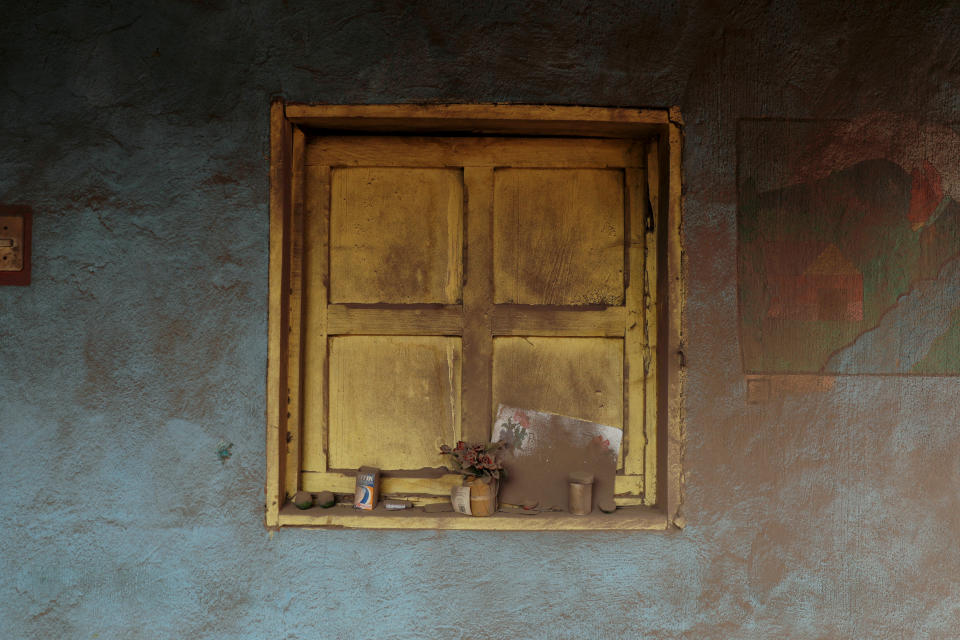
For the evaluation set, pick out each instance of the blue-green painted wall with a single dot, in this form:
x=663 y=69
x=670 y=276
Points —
x=138 y=134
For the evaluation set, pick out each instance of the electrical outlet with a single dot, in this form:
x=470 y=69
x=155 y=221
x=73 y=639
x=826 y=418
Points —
x=11 y=243
x=15 y=245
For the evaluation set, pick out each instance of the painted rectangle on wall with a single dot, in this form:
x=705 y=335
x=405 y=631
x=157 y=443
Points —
x=849 y=246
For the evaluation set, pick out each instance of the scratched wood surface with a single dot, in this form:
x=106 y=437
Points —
x=558 y=236
x=313 y=428
x=393 y=400
x=396 y=235
x=477 y=305
x=579 y=377
x=414 y=151
x=441 y=321
x=510 y=320
x=489 y=119
x=424 y=488
x=656 y=198
x=280 y=183
x=295 y=300
x=408 y=338
x=635 y=346
x=624 y=519
x=673 y=283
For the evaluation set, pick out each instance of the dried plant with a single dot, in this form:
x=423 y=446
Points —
x=478 y=460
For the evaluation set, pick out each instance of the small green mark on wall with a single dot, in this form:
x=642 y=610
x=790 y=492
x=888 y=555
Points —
x=223 y=450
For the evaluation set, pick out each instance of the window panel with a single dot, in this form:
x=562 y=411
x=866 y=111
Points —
x=396 y=235
x=580 y=377
x=558 y=236
x=392 y=400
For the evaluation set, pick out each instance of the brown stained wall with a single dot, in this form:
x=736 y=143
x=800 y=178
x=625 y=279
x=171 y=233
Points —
x=816 y=506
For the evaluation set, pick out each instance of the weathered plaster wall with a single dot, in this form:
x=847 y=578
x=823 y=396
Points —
x=138 y=133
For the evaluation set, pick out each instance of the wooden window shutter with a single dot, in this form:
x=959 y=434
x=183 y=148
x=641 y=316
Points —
x=431 y=277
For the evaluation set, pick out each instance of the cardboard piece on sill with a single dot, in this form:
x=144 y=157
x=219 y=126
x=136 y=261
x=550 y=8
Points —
x=545 y=448
x=514 y=508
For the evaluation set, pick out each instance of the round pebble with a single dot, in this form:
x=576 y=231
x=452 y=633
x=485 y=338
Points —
x=326 y=499
x=303 y=500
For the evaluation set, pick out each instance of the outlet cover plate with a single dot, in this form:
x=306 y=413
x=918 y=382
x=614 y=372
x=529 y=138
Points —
x=15 y=241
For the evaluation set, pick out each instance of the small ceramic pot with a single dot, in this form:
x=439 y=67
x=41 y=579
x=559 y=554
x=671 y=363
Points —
x=483 y=496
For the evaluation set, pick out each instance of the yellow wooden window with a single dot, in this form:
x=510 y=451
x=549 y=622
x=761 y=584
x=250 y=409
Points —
x=429 y=263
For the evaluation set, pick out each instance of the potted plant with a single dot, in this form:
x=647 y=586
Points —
x=482 y=464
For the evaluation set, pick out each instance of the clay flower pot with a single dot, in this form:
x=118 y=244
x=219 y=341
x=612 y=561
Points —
x=483 y=495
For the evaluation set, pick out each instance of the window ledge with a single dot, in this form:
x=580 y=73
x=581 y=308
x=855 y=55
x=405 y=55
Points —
x=345 y=517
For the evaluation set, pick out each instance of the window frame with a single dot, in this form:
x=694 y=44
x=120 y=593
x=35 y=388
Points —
x=659 y=130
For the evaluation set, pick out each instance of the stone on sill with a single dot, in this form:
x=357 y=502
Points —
x=303 y=500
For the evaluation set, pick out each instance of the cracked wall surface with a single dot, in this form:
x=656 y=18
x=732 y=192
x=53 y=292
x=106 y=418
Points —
x=825 y=507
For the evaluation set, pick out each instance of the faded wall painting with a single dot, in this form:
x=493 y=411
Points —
x=849 y=246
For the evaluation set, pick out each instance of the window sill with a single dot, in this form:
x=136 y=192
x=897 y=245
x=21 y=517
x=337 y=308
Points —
x=345 y=517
